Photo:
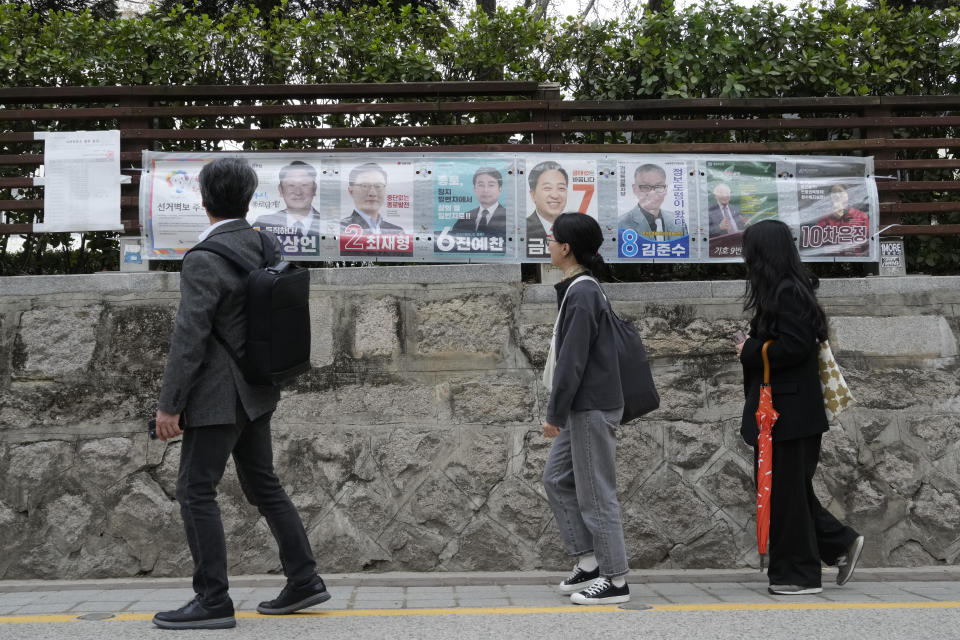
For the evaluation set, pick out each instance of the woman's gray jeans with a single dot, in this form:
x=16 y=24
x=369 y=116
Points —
x=580 y=478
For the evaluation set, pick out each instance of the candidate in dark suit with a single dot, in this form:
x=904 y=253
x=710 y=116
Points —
x=490 y=222
x=650 y=189
x=298 y=188
x=284 y=223
x=536 y=236
x=548 y=189
x=785 y=310
x=205 y=397
x=367 y=186
x=490 y=218
x=368 y=224
x=724 y=217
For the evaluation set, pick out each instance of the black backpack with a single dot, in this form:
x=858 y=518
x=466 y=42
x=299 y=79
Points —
x=278 y=315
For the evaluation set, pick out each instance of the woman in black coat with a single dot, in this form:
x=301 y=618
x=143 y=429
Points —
x=785 y=309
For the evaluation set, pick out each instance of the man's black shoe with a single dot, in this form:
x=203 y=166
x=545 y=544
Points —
x=195 y=615
x=294 y=598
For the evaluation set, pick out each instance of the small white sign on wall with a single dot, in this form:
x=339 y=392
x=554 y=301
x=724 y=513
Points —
x=131 y=255
x=893 y=260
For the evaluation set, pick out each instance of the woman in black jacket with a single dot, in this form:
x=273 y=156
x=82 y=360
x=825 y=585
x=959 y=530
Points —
x=785 y=310
x=586 y=404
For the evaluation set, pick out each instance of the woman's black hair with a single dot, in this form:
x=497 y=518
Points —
x=771 y=257
x=584 y=236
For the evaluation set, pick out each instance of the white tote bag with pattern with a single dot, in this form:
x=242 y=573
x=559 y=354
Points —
x=836 y=394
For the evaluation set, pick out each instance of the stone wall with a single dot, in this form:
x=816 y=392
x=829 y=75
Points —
x=414 y=443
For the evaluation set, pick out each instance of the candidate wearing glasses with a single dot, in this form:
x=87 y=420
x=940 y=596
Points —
x=650 y=189
x=367 y=186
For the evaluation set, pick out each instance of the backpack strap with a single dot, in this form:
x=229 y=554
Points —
x=270 y=257
x=563 y=301
x=228 y=254
x=268 y=251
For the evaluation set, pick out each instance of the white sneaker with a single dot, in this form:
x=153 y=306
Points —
x=578 y=580
x=602 y=591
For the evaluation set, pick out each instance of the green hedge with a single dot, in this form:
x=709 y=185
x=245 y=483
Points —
x=716 y=50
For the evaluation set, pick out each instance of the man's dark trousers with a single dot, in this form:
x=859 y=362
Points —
x=203 y=457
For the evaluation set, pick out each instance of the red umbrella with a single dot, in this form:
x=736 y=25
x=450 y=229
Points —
x=766 y=416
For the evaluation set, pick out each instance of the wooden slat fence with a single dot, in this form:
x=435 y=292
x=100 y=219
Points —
x=911 y=137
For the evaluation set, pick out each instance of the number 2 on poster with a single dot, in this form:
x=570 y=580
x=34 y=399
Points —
x=355 y=239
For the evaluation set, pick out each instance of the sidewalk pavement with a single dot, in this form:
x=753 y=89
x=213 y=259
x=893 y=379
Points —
x=96 y=599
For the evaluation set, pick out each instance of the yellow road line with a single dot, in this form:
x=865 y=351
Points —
x=341 y=613
x=69 y=617
x=461 y=611
x=795 y=606
x=452 y=611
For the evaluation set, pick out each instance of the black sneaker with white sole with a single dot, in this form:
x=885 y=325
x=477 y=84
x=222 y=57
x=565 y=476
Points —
x=578 y=580
x=848 y=561
x=602 y=591
x=793 y=590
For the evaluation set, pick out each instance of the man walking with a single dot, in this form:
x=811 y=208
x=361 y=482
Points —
x=205 y=397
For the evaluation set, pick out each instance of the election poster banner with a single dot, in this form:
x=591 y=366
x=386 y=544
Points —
x=738 y=193
x=834 y=209
x=653 y=204
x=556 y=184
x=377 y=200
x=176 y=215
x=473 y=206
x=500 y=207
x=285 y=204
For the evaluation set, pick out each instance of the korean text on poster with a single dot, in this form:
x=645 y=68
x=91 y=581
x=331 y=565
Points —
x=553 y=188
x=833 y=207
x=738 y=193
x=176 y=213
x=378 y=203
x=653 y=205
x=285 y=204
x=471 y=214
x=81 y=181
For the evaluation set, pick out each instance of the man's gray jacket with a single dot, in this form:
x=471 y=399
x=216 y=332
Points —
x=634 y=219
x=201 y=381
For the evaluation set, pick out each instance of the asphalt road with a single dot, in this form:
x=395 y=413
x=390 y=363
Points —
x=872 y=624
x=878 y=604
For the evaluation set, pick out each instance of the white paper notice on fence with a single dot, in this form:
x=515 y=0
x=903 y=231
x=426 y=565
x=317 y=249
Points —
x=81 y=181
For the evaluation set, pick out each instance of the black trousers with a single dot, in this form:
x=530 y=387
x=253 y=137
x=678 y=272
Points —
x=203 y=457
x=802 y=533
